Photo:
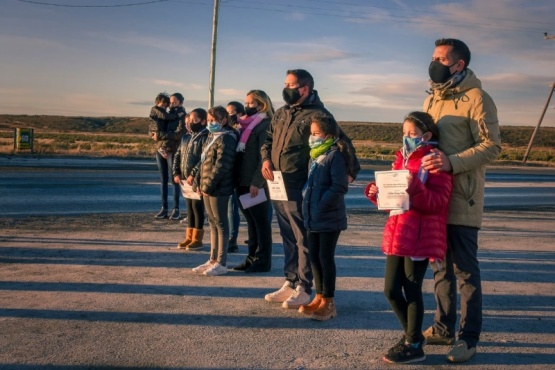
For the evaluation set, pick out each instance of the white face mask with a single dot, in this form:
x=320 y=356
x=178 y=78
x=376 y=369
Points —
x=315 y=141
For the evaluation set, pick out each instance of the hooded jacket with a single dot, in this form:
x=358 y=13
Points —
x=324 y=207
x=422 y=230
x=216 y=171
x=286 y=144
x=469 y=135
x=170 y=126
x=188 y=154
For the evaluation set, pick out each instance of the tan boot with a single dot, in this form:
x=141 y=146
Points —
x=188 y=239
x=196 y=244
x=326 y=310
x=312 y=306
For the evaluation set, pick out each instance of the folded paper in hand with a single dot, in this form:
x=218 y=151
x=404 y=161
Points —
x=248 y=201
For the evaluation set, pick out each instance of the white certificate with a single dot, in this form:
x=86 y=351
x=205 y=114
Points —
x=187 y=190
x=392 y=186
x=276 y=188
x=248 y=201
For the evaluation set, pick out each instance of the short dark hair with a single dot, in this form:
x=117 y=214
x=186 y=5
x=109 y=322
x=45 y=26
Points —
x=303 y=77
x=201 y=113
x=424 y=122
x=239 y=108
x=179 y=97
x=326 y=123
x=460 y=49
x=163 y=97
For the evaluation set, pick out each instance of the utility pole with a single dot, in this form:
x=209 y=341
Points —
x=538 y=125
x=213 y=54
x=547 y=37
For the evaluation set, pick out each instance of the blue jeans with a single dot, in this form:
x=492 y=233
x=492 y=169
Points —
x=233 y=217
x=165 y=167
x=289 y=215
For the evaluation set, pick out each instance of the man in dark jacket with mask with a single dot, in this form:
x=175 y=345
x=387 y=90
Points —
x=286 y=149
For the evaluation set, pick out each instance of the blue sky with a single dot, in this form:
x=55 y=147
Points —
x=369 y=58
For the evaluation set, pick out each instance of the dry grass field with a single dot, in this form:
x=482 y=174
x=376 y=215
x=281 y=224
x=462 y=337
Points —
x=126 y=137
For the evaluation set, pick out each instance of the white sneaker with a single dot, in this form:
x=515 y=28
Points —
x=280 y=295
x=297 y=299
x=205 y=266
x=216 y=270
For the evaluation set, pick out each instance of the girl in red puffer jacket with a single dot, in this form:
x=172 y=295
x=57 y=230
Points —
x=412 y=238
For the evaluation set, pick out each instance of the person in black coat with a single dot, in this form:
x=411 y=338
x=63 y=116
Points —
x=216 y=184
x=254 y=126
x=186 y=168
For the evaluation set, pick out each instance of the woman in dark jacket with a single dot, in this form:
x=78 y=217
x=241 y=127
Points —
x=216 y=184
x=186 y=168
x=324 y=211
x=259 y=113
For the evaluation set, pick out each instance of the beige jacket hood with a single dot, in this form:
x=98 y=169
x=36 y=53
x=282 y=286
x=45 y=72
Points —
x=466 y=117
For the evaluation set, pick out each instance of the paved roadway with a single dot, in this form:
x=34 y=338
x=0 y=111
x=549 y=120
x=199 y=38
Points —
x=64 y=186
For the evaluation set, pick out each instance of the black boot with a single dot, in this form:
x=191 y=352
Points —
x=243 y=266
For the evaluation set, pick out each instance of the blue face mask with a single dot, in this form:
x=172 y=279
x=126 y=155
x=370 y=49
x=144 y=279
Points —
x=214 y=126
x=315 y=141
x=411 y=143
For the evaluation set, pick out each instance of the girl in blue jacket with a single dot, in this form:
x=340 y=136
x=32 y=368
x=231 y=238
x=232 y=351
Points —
x=324 y=211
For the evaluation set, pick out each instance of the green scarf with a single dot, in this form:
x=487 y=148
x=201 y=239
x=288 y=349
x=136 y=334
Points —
x=322 y=148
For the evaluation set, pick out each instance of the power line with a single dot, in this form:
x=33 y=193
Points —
x=92 y=6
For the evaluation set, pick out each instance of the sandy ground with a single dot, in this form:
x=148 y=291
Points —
x=111 y=292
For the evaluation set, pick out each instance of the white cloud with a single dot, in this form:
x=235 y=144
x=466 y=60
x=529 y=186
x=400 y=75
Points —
x=167 y=83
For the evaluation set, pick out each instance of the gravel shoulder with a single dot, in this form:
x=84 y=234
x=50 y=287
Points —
x=111 y=291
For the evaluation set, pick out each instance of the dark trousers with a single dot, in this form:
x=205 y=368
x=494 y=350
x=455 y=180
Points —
x=216 y=210
x=165 y=167
x=403 y=290
x=321 y=247
x=259 y=228
x=195 y=213
x=460 y=264
x=233 y=216
x=289 y=215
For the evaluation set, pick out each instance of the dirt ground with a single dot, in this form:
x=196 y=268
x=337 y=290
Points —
x=112 y=292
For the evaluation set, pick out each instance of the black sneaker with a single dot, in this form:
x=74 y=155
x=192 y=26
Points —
x=406 y=354
x=399 y=345
x=232 y=247
x=162 y=214
x=175 y=215
x=243 y=266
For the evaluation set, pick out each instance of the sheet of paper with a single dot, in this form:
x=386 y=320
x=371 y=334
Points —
x=276 y=188
x=187 y=191
x=248 y=201
x=392 y=186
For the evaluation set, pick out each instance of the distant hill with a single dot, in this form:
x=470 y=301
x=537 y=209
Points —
x=513 y=136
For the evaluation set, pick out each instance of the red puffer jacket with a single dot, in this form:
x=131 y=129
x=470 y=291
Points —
x=421 y=231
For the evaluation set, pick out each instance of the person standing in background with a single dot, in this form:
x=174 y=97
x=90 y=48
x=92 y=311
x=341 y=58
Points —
x=168 y=139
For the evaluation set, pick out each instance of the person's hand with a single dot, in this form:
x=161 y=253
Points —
x=176 y=179
x=436 y=162
x=190 y=180
x=373 y=191
x=267 y=170
x=204 y=194
x=350 y=178
x=253 y=191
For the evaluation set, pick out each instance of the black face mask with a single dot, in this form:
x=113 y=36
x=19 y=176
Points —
x=439 y=73
x=251 y=111
x=291 y=96
x=196 y=127
x=232 y=119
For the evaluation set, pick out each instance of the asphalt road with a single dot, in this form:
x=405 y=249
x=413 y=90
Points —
x=66 y=186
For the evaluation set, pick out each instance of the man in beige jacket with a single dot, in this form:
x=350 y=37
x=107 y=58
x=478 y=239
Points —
x=469 y=139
